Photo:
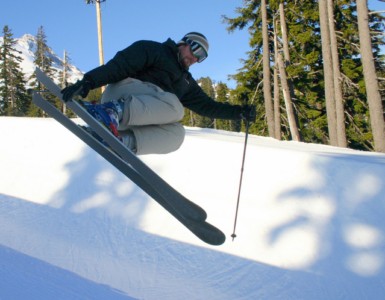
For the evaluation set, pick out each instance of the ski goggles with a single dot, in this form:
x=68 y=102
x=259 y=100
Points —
x=197 y=50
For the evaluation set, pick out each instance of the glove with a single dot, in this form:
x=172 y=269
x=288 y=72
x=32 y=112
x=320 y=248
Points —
x=81 y=87
x=249 y=113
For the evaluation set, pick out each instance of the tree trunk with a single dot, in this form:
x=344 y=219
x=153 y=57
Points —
x=371 y=81
x=277 y=106
x=328 y=73
x=285 y=43
x=288 y=103
x=266 y=72
x=340 y=110
x=286 y=83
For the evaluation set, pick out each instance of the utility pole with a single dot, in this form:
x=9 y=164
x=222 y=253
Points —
x=100 y=35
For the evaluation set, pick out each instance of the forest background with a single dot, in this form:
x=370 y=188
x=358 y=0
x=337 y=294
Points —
x=315 y=73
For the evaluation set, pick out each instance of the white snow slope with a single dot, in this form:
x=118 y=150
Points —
x=310 y=226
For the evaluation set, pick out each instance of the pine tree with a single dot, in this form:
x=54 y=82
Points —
x=254 y=79
x=63 y=80
x=223 y=96
x=359 y=130
x=305 y=70
x=208 y=87
x=42 y=60
x=192 y=119
x=14 y=100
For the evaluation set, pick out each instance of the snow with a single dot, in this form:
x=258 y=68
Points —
x=310 y=226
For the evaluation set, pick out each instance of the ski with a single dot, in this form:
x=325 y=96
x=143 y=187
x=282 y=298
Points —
x=188 y=213
x=180 y=202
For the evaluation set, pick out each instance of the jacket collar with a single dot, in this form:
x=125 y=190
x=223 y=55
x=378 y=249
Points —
x=174 y=48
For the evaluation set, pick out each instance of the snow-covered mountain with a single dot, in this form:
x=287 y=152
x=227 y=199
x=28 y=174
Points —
x=311 y=221
x=27 y=46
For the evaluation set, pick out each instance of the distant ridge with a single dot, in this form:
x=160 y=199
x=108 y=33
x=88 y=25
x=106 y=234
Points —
x=27 y=46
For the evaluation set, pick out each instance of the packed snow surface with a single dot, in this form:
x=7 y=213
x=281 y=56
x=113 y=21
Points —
x=311 y=221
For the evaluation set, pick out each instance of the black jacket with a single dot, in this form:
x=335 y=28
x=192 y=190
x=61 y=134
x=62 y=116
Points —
x=158 y=63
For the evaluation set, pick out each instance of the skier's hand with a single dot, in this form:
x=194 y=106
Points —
x=81 y=87
x=249 y=113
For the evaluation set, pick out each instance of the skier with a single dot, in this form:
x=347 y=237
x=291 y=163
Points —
x=148 y=86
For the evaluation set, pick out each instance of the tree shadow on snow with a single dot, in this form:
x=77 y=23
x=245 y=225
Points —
x=343 y=209
x=50 y=253
x=96 y=189
x=91 y=227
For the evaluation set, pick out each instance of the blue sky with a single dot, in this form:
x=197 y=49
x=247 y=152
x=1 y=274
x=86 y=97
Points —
x=71 y=25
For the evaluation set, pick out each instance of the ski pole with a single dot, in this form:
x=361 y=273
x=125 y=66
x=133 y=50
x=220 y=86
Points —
x=240 y=180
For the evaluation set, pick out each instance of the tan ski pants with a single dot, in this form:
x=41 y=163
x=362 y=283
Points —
x=150 y=113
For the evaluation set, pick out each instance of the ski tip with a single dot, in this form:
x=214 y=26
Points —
x=218 y=240
x=221 y=241
x=207 y=233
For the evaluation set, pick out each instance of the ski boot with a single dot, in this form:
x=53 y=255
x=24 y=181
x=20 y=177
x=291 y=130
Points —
x=108 y=114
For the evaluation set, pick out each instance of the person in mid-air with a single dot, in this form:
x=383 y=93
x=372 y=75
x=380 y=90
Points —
x=148 y=86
